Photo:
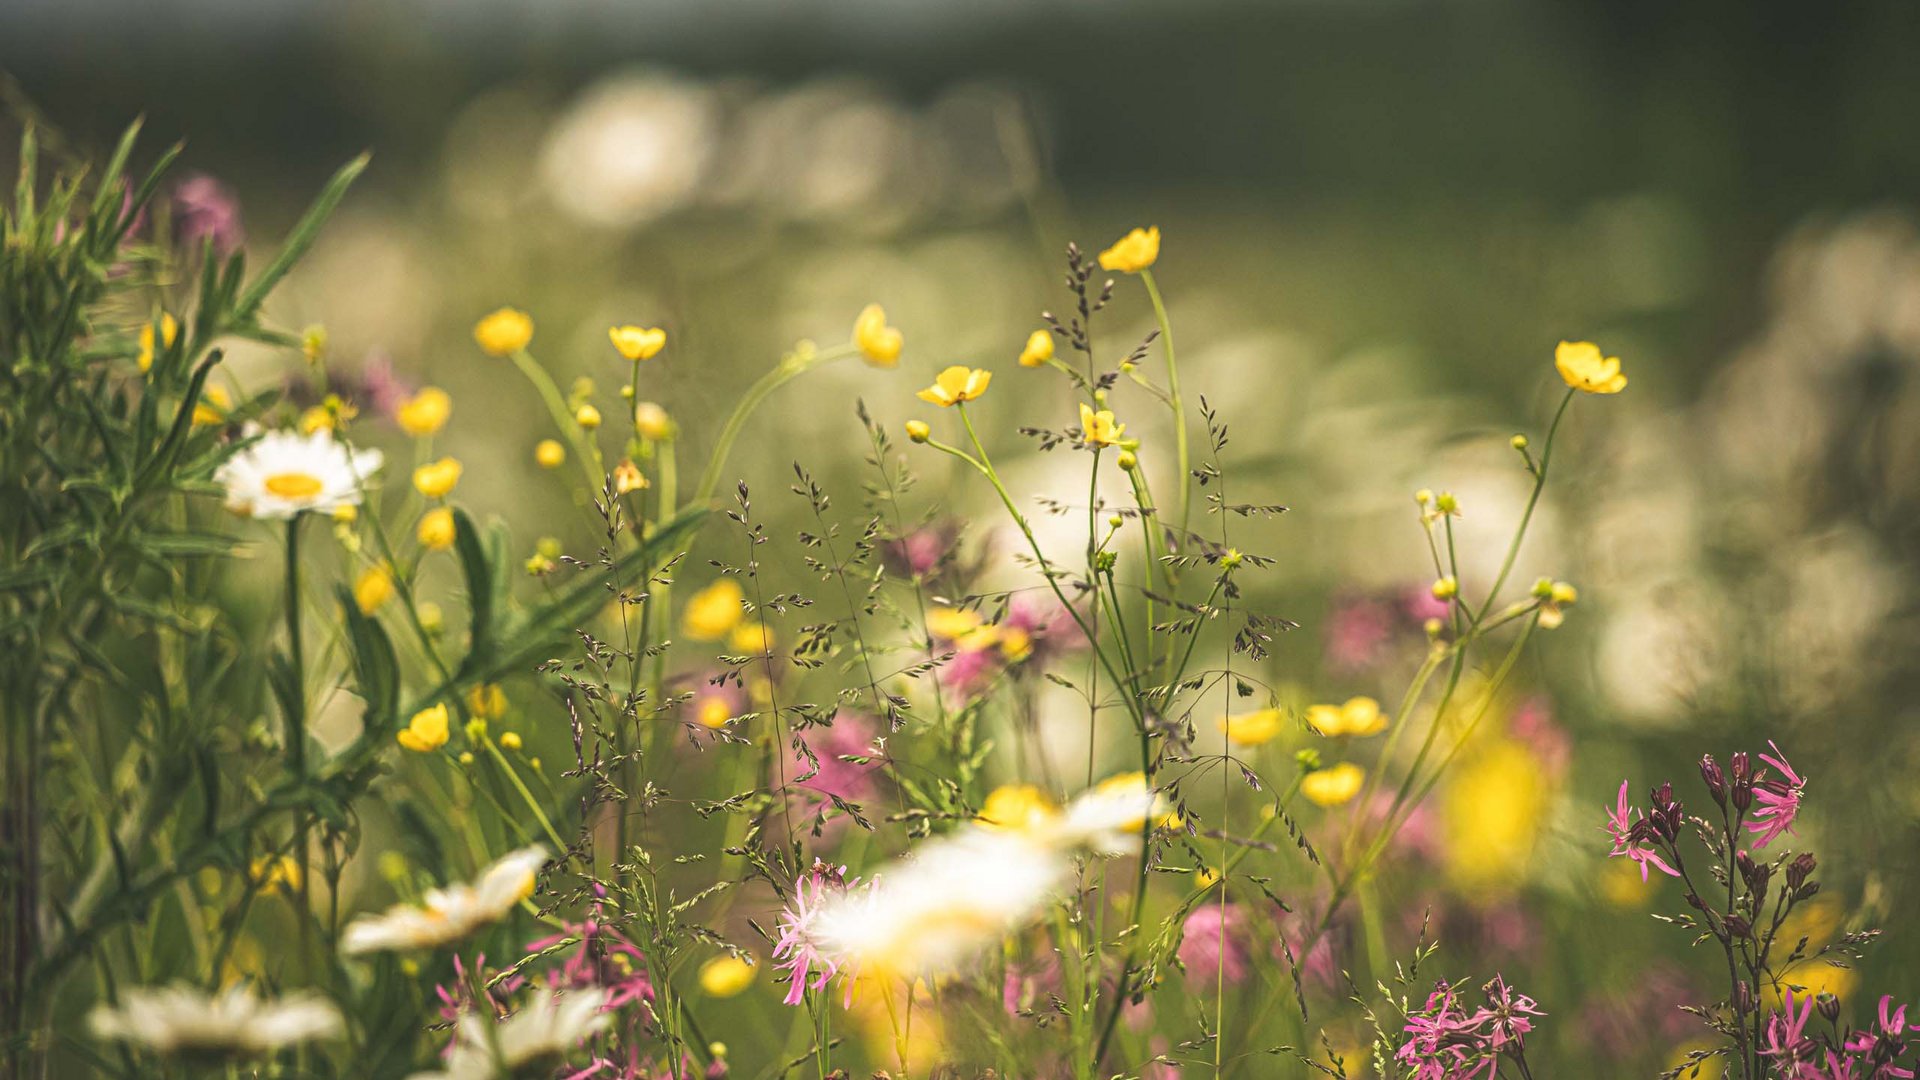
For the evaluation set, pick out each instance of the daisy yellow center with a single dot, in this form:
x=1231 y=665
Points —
x=294 y=485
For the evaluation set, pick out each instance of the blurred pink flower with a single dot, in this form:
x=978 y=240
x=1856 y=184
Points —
x=1213 y=944
x=203 y=209
x=1358 y=630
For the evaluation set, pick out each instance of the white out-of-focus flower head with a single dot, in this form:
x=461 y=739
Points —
x=450 y=914
x=185 y=1020
x=544 y=1030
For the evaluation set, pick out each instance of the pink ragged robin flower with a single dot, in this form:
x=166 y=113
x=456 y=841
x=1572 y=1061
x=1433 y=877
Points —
x=798 y=950
x=1620 y=822
x=1778 y=799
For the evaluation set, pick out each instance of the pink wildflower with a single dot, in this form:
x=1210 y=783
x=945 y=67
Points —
x=1213 y=944
x=1620 y=822
x=1779 y=800
x=798 y=952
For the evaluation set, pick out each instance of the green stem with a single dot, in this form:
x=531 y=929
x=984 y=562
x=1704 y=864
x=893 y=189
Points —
x=1178 y=404
x=790 y=368
x=562 y=419
x=1533 y=499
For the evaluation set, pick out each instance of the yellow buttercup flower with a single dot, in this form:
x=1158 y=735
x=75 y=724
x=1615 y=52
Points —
x=318 y=418
x=713 y=611
x=487 y=701
x=877 y=341
x=509 y=740
x=964 y=627
x=549 y=454
x=918 y=431
x=713 y=711
x=1039 y=349
x=1359 y=716
x=436 y=529
x=1133 y=252
x=1098 y=428
x=1491 y=817
x=504 y=332
x=275 y=873
x=436 y=479
x=725 y=976
x=1254 y=728
x=1583 y=366
x=957 y=384
x=638 y=342
x=1127 y=785
x=425 y=412
x=1015 y=644
x=427 y=730
x=1331 y=787
x=169 y=329
x=627 y=477
x=372 y=588
x=587 y=417
x=650 y=421
x=750 y=639
x=212 y=408
x=1018 y=808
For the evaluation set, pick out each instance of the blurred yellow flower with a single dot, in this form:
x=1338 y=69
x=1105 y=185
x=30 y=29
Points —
x=1713 y=1067
x=957 y=384
x=650 y=421
x=549 y=454
x=877 y=341
x=212 y=408
x=504 y=332
x=964 y=627
x=1204 y=877
x=487 y=701
x=1015 y=644
x=313 y=343
x=1359 y=716
x=587 y=417
x=425 y=412
x=1133 y=252
x=1254 y=728
x=372 y=588
x=1622 y=886
x=725 y=976
x=713 y=611
x=1583 y=366
x=750 y=639
x=1127 y=785
x=509 y=740
x=274 y=873
x=169 y=329
x=426 y=731
x=318 y=418
x=1039 y=349
x=1098 y=428
x=627 y=478
x=713 y=711
x=436 y=529
x=1491 y=815
x=435 y=479
x=1018 y=807
x=638 y=342
x=1331 y=787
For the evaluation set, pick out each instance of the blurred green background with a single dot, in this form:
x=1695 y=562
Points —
x=1378 y=218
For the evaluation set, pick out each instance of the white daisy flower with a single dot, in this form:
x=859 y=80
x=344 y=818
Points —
x=950 y=900
x=183 y=1020
x=449 y=914
x=547 y=1028
x=1107 y=818
x=286 y=472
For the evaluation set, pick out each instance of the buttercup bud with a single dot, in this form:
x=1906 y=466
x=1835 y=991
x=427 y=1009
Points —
x=918 y=431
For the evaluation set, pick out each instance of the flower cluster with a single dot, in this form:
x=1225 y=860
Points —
x=1447 y=1041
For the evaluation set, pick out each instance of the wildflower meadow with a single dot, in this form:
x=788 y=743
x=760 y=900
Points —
x=971 y=683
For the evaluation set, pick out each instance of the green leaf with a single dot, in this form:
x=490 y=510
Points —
x=300 y=239
x=188 y=545
x=483 y=597
x=376 y=671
